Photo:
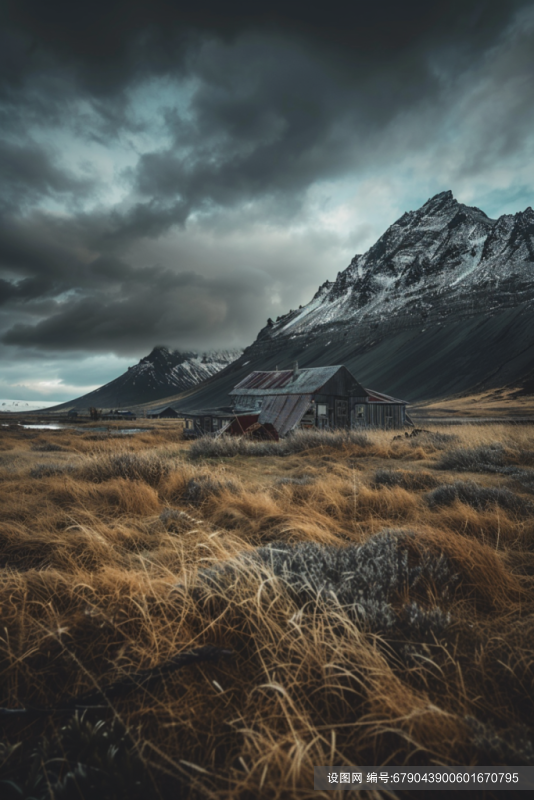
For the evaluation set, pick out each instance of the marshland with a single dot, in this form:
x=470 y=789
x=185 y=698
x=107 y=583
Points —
x=370 y=601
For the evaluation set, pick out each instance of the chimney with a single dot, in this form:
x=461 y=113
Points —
x=295 y=370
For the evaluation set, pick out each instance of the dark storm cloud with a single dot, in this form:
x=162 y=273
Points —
x=29 y=174
x=280 y=97
x=155 y=304
x=108 y=44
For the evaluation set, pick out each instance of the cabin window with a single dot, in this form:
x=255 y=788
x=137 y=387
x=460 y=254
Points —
x=321 y=409
x=360 y=412
x=341 y=410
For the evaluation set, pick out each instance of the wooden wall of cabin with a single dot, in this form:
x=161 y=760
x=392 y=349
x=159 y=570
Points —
x=377 y=415
x=385 y=415
x=337 y=410
x=342 y=385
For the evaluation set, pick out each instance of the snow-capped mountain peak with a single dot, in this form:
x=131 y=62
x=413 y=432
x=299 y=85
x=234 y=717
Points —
x=160 y=374
x=444 y=248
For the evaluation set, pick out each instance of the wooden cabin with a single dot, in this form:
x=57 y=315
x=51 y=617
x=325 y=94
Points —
x=327 y=398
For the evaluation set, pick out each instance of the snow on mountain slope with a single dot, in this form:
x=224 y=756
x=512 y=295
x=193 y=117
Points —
x=178 y=371
x=443 y=303
x=443 y=252
x=156 y=376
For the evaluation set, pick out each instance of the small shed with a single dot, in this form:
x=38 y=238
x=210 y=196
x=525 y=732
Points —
x=118 y=414
x=207 y=420
x=327 y=398
x=163 y=412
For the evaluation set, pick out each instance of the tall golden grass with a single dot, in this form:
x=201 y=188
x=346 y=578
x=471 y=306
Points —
x=104 y=566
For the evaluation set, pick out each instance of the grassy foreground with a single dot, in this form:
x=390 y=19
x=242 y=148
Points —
x=376 y=596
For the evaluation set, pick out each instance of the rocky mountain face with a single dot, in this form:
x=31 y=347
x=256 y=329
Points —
x=441 y=304
x=158 y=375
x=430 y=263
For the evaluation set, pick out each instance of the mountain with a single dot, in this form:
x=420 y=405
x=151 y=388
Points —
x=156 y=376
x=441 y=304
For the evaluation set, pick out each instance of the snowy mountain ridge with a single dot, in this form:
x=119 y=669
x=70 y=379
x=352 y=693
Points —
x=179 y=371
x=441 y=304
x=160 y=374
x=442 y=255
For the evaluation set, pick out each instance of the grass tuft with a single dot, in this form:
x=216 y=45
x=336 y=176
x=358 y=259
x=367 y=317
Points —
x=49 y=469
x=149 y=468
x=47 y=447
x=478 y=497
x=229 y=446
x=410 y=481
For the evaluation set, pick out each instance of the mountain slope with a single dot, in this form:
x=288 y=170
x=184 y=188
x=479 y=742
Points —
x=156 y=376
x=441 y=304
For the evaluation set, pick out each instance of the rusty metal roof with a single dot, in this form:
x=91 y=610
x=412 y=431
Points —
x=304 y=381
x=284 y=411
x=379 y=397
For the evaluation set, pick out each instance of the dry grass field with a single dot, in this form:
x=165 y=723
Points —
x=372 y=600
x=499 y=403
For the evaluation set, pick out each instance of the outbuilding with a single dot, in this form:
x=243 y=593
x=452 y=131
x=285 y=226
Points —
x=207 y=420
x=163 y=412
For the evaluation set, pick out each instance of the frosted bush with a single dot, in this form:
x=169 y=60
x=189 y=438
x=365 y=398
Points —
x=130 y=466
x=306 y=480
x=435 y=438
x=512 y=747
x=50 y=469
x=478 y=497
x=486 y=458
x=228 y=446
x=411 y=481
x=201 y=488
x=370 y=581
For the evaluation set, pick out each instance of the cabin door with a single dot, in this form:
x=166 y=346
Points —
x=342 y=414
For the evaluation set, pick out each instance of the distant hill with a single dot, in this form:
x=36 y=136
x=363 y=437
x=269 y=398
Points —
x=156 y=376
x=441 y=304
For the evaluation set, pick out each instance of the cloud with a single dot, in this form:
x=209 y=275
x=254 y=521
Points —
x=178 y=175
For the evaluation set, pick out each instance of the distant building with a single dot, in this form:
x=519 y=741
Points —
x=163 y=412
x=207 y=420
x=118 y=414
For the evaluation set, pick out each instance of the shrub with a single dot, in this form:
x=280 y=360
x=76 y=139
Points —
x=228 y=446
x=131 y=466
x=306 y=480
x=410 y=481
x=478 y=497
x=47 y=447
x=201 y=488
x=47 y=470
x=304 y=440
x=175 y=520
x=521 y=456
x=486 y=458
x=436 y=439
x=369 y=580
x=525 y=479
x=508 y=747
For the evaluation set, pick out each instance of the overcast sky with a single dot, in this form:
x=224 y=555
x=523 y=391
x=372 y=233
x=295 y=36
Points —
x=176 y=177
